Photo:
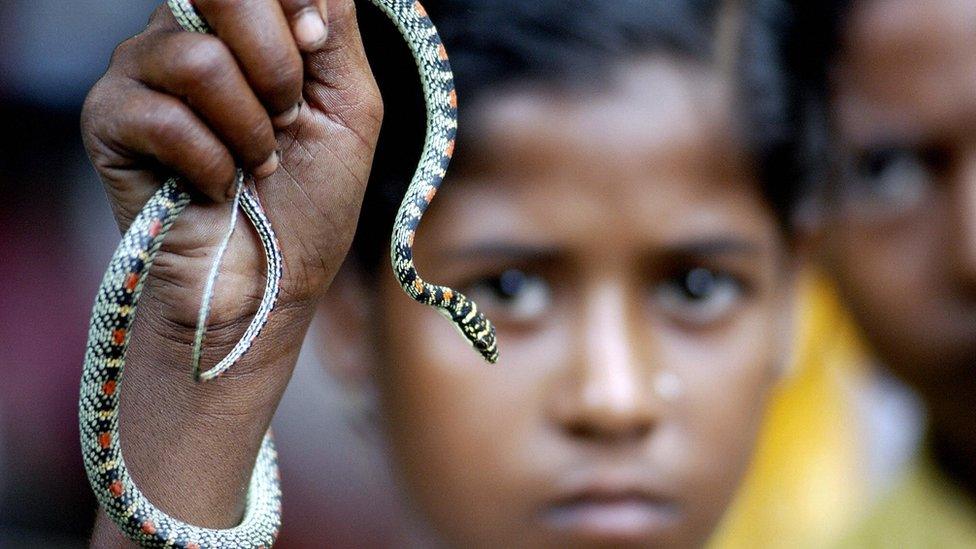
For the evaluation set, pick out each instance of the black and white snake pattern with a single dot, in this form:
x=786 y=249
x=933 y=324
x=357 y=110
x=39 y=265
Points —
x=119 y=292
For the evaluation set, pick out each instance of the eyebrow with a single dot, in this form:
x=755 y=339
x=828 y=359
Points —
x=512 y=251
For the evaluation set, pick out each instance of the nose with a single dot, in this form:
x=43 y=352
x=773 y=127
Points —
x=607 y=391
x=963 y=215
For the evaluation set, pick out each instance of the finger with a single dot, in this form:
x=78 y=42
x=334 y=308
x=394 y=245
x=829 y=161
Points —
x=259 y=36
x=202 y=70
x=308 y=22
x=154 y=124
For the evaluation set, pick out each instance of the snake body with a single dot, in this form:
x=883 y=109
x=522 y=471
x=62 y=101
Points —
x=121 y=287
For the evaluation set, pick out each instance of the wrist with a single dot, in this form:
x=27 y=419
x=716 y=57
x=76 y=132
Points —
x=191 y=447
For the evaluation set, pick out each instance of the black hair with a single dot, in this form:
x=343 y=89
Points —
x=788 y=48
x=494 y=43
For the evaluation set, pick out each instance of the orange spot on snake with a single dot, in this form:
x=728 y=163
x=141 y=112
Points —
x=109 y=387
x=430 y=194
x=419 y=286
x=448 y=295
x=118 y=336
x=442 y=52
x=148 y=528
x=449 y=151
x=115 y=488
x=410 y=236
x=131 y=281
x=192 y=545
x=420 y=9
x=453 y=99
x=104 y=440
x=155 y=227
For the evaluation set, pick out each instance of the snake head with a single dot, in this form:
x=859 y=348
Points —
x=487 y=343
x=476 y=328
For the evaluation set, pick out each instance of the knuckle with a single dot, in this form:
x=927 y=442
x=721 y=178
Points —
x=101 y=118
x=202 y=59
x=90 y=109
x=124 y=50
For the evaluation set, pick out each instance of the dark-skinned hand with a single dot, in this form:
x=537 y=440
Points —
x=292 y=101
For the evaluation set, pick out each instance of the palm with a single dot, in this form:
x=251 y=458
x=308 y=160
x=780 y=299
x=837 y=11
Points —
x=312 y=201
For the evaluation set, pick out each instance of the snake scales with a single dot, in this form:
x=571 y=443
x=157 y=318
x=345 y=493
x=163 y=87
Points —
x=119 y=292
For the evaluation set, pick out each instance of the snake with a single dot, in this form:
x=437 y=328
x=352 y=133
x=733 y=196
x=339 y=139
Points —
x=121 y=287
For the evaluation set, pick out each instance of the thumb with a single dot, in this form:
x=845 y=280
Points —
x=326 y=157
x=338 y=76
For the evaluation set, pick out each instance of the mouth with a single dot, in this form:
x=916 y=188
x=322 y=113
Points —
x=623 y=514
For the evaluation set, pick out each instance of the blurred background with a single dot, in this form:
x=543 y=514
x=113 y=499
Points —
x=814 y=468
x=56 y=227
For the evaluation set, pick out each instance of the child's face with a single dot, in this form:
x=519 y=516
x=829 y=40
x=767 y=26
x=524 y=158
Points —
x=902 y=242
x=640 y=287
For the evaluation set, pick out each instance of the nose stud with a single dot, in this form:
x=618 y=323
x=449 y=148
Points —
x=668 y=386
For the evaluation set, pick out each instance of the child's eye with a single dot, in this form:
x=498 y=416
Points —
x=513 y=294
x=700 y=295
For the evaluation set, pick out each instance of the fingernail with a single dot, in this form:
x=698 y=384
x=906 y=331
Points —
x=310 y=29
x=268 y=167
x=288 y=117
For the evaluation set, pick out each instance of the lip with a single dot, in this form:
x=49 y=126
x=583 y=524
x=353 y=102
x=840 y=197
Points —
x=611 y=512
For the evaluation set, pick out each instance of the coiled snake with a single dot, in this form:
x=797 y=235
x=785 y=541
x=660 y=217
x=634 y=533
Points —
x=118 y=295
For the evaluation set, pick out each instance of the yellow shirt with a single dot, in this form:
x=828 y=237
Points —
x=924 y=511
x=806 y=482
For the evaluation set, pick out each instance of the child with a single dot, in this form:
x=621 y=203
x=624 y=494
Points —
x=886 y=112
x=601 y=210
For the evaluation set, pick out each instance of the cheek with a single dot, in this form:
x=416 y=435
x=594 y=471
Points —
x=726 y=377
x=457 y=426
x=730 y=369
x=878 y=265
x=890 y=280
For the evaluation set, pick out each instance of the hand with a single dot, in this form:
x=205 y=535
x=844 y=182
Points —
x=197 y=105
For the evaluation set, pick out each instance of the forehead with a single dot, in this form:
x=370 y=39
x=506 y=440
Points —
x=652 y=153
x=906 y=64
